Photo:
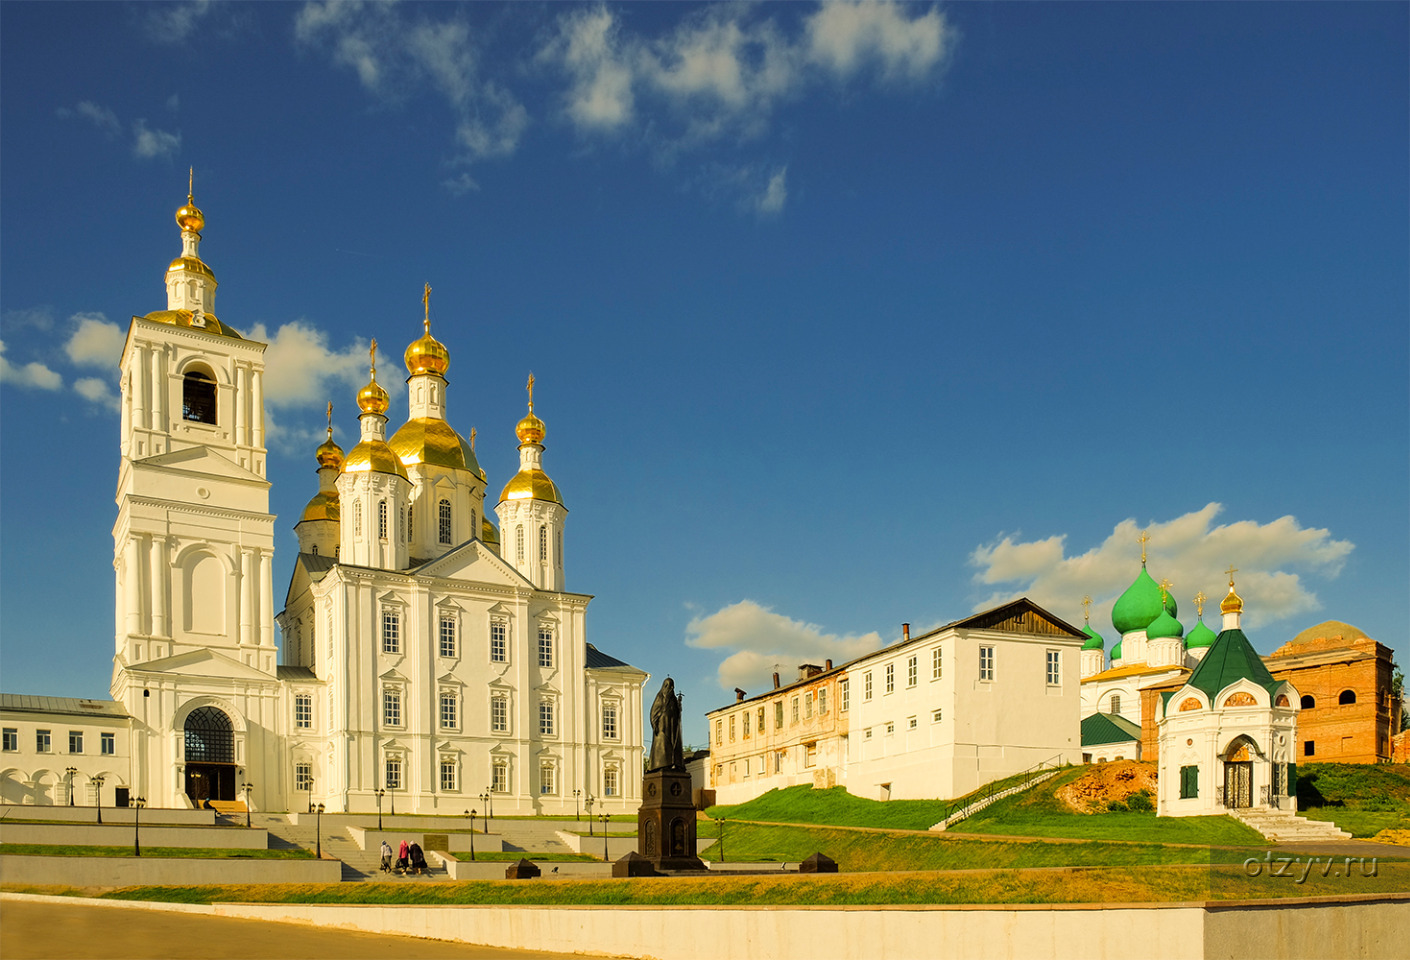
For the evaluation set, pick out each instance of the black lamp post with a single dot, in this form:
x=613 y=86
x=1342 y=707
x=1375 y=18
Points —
x=137 y=804
x=720 y=829
x=98 y=794
x=318 y=829
x=472 y=834
x=485 y=799
x=247 y=787
x=577 y=794
x=380 y=794
x=589 y=813
x=605 y=856
x=71 y=771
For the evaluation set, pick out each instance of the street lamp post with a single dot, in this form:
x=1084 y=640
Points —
x=589 y=813
x=380 y=794
x=720 y=829
x=98 y=794
x=247 y=787
x=577 y=794
x=472 y=834
x=485 y=799
x=318 y=829
x=71 y=771
x=605 y=855
x=137 y=804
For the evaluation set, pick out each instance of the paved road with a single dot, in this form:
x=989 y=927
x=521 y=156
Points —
x=53 y=930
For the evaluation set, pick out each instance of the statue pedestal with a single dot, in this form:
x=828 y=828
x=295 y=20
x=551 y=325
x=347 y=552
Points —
x=665 y=823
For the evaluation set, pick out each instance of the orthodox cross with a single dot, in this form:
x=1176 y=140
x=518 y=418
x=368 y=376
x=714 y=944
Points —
x=1231 y=571
x=1165 y=586
x=1087 y=608
x=472 y=439
x=1143 y=539
x=372 y=356
x=1200 y=598
x=190 y=183
x=330 y=419
x=426 y=302
x=531 y=392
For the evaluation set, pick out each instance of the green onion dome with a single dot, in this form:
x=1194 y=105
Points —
x=1164 y=626
x=1138 y=606
x=1116 y=652
x=1200 y=637
x=1094 y=639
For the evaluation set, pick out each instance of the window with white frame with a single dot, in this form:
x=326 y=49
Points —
x=936 y=664
x=519 y=543
x=609 y=721
x=936 y=715
x=499 y=647
x=844 y=695
x=912 y=672
x=391 y=631
x=450 y=710
x=499 y=714
x=609 y=782
x=447 y=635
x=303 y=710
x=795 y=710
x=890 y=677
x=393 y=780
x=1054 y=667
x=303 y=777
x=778 y=714
x=75 y=741
x=986 y=663
x=107 y=744
x=391 y=707
x=443 y=529
x=381 y=519
x=731 y=728
x=499 y=776
x=719 y=731
x=42 y=741
x=761 y=721
x=547 y=777
x=890 y=729
x=545 y=646
x=822 y=701
x=808 y=705
x=866 y=685
x=543 y=544
x=449 y=780
x=546 y=712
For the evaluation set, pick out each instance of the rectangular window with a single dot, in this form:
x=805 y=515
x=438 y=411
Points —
x=546 y=772
x=866 y=685
x=303 y=710
x=75 y=741
x=761 y=721
x=107 y=744
x=499 y=776
x=912 y=672
x=911 y=723
x=450 y=712
x=890 y=729
x=391 y=708
x=822 y=701
x=499 y=714
x=795 y=709
x=498 y=648
x=719 y=732
x=986 y=663
x=1189 y=782
x=890 y=677
x=936 y=715
x=447 y=634
x=545 y=718
x=1309 y=748
x=303 y=777
x=808 y=704
x=448 y=775
x=731 y=728
x=936 y=664
x=867 y=734
x=609 y=782
x=545 y=647
x=1054 y=668
x=844 y=695
x=810 y=754
x=391 y=632
x=41 y=741
x=778 y=714
x=747 y=716
x=393 y=773
x=609 y=721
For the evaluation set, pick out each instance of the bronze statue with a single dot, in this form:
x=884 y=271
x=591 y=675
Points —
x=667 y=752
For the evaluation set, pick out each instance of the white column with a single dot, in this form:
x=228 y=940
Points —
x=266 y=598
x=132 y=584
x=139 y=386
x=158 y=585
x=159 y=421
x=242 y=426
x=246 y=596
x=257 y=407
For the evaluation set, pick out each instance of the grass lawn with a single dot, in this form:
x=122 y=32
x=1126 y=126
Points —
x=1362 y=798
x=185 y=853
x=803 y=804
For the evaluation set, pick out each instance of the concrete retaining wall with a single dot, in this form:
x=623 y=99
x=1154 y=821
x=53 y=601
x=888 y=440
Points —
x=118 y=835
x=132 y=871
x=372 y=840
x=189 y=818
x=617 y=847
x=465 y=869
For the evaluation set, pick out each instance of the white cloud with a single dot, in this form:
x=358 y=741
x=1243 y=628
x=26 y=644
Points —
x=300 y=369
x=175 y=22
x=95 y=342
x=460 y=184
x=34 y=375
x=38 y=318
x=844 y=37
x=101 y=117
x=763 y=641
x=771 y=201
x=1191 y=551
x=97 y=391
x=588 y=47
x=148 y=143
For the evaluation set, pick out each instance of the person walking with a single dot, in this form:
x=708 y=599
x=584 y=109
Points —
x=386 y=857
x=402 y=863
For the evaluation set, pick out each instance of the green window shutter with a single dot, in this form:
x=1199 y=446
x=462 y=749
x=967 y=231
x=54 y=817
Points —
x=1292 y=780
x=1189 y=782
x=1194 y=781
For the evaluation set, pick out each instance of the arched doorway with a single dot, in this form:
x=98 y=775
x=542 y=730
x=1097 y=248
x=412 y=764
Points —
x=1238 y=774
x=210 y=755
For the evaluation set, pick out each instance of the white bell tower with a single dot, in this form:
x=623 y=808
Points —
x=531 y=511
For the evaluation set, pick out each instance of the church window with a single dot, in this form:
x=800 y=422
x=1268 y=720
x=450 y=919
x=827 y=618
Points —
x=890 y=677
x=731 y=728
x=357 y=519
x=778 y=715
x=209 y=736
x=558 y=554
x=474 y=530
x=393 y=773
x=330 y=634
x=844 y=695
x=198 y=397
x=382 y=519
x=401 y=512
x=866 y=685
x=912 y=672
x=1308 y=702
x=986 y=663
x=747 y=716
x=410 y=518
x=303 y=776
x=546 y=777
x=447 y=636
x=11 y=739
x=609 y=721
x=443 y=533
x=499 y=776
x=391 y=708
x=543 y=544
x=1189 y=782
x=75 y=741
x=1115 y=703
x=1347 y=697
x=609 y=782
x=822 y=701
x=330 y=705
x=450 y=712
x=1054 y=664
x=498 y=648
x=448 y=777
x=519 y=543
x=391 y=632
x=303 y=711
x=315 y=549
x=499 y=714
x=107 y=744
x=545 y=647
x=937 y=668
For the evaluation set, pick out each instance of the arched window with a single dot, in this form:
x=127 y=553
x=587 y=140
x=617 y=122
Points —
x=1308 y=702
x=210 y=738
x=443 y=532
x=1116 y=703
x=543 y=544
x=315 y=549
x=519 y=542
x=410 y=514
x=198 y=397
x=382 y=519
x=1347 y=697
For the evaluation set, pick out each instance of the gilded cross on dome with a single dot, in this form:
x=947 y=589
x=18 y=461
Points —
x=1200 y=598
x=190 y=184
x=473 y=433
x=531 y=392
x=372 y=356
x=1231 y=571
x=1143 y=539
x=426 y=302
x=330 y=418
x=1165 y=586
x=1087 y=607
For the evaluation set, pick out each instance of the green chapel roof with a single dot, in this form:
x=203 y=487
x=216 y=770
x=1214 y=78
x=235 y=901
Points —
x=1102 y=728
x=1164 y=626
x=1231 y=657
x=1138 y=606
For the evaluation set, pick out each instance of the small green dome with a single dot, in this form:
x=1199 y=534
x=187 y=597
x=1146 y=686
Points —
x=1138 y=606
x=1164 y=626
x=1200 y=637
x=1171 y=605
x=1094 y=639
x=1116 y=652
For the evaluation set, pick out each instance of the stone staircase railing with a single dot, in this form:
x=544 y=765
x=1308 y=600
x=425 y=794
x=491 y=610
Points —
x=1039 y=774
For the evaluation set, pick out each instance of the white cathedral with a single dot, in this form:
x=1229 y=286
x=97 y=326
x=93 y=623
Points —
x=423 y=663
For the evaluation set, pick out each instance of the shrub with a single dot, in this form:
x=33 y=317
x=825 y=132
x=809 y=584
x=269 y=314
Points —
x=1140 y=802
x=1116 y=806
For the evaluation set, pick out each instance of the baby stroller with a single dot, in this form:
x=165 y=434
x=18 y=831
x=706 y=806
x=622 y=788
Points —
x=418 y=859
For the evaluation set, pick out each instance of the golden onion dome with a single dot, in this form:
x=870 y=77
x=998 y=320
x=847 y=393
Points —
x=435 y=443
x=323 y=506
x=427 y=355
x=373 y=456
x=329 y=454
x=530 y=429
x=189 y=216
x=488 y=532
x=531 y=484
x=1233 y=603
x=204 y=323
x=372 y=398
x=194 y=264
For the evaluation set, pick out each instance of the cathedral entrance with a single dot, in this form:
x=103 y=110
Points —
x=1238 y=775
x=210 y=756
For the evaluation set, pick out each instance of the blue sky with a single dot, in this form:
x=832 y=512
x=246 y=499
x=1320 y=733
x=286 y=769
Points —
x=840 y=316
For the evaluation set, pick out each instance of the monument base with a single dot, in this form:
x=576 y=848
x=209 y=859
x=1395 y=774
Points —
x=665 y=823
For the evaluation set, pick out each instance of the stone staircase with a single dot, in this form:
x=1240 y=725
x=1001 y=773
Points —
x=1285 y=827
x=979 y=805
x=358 y=864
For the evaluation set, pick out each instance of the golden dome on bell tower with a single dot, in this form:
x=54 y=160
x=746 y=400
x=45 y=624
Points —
x=189 y=217
x=372 y=398
x=427 y=354
x=329 y=454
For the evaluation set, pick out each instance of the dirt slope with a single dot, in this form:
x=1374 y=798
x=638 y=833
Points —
x=1104 y=782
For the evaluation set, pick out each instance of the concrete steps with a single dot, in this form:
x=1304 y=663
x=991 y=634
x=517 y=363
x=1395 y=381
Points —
x=974 y=808
x=1288 y=827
